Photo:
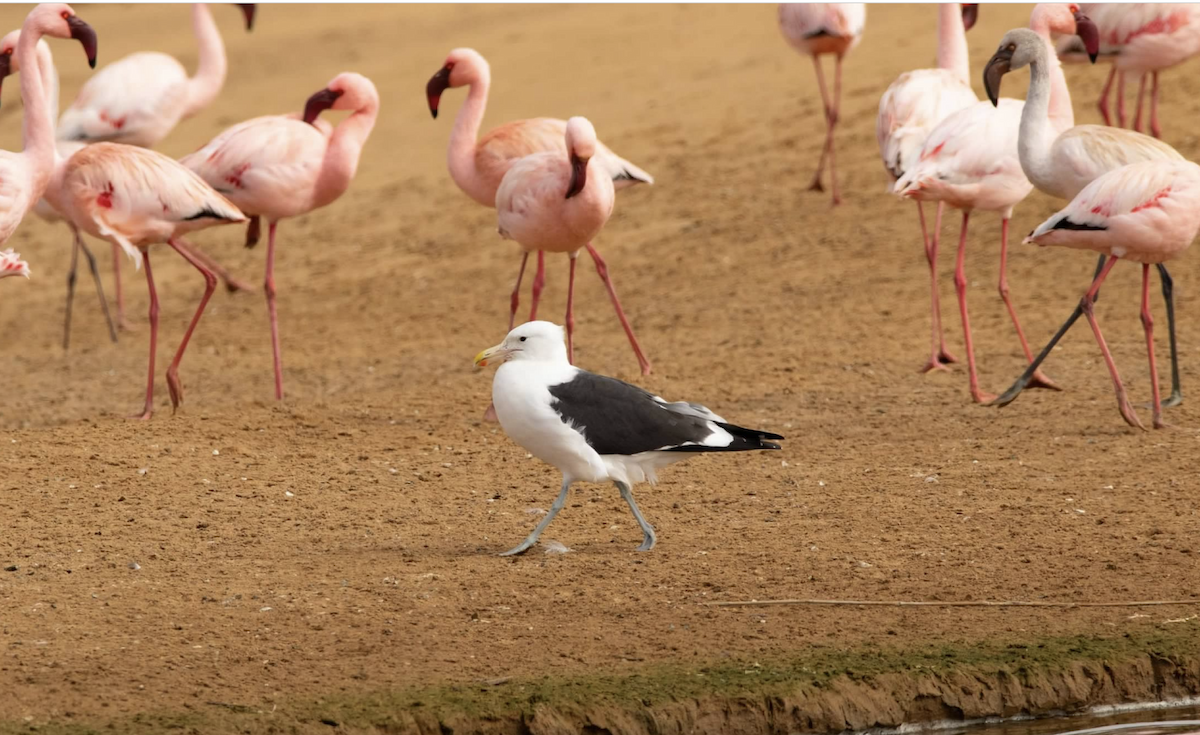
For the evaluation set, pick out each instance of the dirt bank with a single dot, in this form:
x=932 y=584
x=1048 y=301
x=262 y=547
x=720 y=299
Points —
x=824 y=691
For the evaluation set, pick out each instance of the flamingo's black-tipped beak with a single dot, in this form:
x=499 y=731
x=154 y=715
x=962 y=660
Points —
x=1089 y=33
x=970 y=14
x=318 y=103
x=83 y=33
x=5 y=65
x=996 y=68
x=437 y=84
x=248 y=11
x=578 y=175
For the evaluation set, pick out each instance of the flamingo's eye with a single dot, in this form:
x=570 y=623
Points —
x=65 y=15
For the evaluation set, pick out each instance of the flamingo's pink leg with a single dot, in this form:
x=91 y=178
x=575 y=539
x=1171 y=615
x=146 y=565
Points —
x=1088 y=305
x=938 y=356
x=122 y=323
x=1155 y=130
x=210 y=285
x=602 y=269
x=232 y=283
x=828 y=109
x=960 y=285
x=1039 y=379
x=1141 y=98
x=539 y=282
x=833 y=121
x=1121 y=117
x=1148 y=325
x=1103 y=103
x=269 y=287
x=516 y=294
x=153 y=336
x=71 y=275
x=571 y=309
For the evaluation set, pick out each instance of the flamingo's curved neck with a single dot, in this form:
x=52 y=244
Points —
x=206 y=83
x=1047 y=113
x=49 y=79
x=460 y=156
x=341 y=157
x=49 y=76
x=952 y=53
x=37 y=126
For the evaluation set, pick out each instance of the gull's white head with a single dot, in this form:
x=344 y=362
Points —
x=537 y=341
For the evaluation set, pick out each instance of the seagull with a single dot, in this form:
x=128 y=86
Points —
x=594 y=428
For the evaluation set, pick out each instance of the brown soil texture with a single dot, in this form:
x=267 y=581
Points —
x=345 y=540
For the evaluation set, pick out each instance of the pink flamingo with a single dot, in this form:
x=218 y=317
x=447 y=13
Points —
x=478 y=165
x=1141 y=39
x=136 y=197
x=12 y=265
x=139 y=99
x=1061 y=165
x=910 y=108
x=26 y=174
x=1147 y=212
x=816 y=29
x=558 y=203
x=9 y=64
x=955 y=169
x=283 y=166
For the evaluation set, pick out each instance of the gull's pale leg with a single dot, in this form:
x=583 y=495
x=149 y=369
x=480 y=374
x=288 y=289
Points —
x=532 y=538
x=648 y=537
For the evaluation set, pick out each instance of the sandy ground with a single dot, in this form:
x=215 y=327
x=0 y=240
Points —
x=345 y=539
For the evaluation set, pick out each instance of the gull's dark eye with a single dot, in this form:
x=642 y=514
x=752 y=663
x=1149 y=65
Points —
x=524 y=338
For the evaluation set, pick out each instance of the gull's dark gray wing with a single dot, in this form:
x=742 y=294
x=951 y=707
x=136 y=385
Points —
x=615 y=417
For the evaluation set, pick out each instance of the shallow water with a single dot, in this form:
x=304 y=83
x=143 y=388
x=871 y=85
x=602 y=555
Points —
x=1152 y=720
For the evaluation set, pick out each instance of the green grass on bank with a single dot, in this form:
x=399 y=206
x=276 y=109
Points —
x=499 y=706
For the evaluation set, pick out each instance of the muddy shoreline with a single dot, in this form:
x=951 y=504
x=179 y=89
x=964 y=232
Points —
x=832 y=691
x=849 y=703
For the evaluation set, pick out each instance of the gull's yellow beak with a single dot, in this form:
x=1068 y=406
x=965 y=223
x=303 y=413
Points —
x=491 y=353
